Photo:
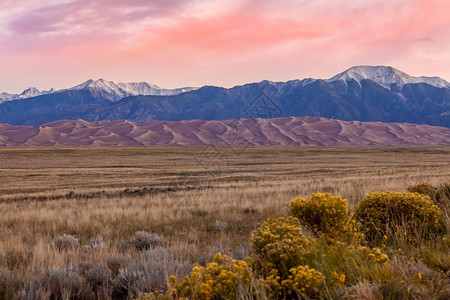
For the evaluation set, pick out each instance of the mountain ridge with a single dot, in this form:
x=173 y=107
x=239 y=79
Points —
x=107 y=89
x=27 y=93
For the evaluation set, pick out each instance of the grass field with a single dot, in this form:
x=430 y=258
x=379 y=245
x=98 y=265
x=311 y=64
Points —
x=200 y=200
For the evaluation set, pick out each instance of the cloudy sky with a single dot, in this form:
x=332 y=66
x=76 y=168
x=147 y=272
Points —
x=173 y=43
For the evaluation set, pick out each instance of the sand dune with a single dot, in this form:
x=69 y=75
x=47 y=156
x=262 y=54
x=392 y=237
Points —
x=292 y=131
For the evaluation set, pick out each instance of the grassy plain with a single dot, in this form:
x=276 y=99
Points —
x=201 y=200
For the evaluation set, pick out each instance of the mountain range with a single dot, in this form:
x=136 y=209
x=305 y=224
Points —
x=102 y=89
x=28 y=93
x=290 y=131
x=362 y=93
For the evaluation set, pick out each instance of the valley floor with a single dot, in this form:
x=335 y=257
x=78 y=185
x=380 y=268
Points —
x=201 y=200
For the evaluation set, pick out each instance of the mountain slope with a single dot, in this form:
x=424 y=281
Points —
x=360 y=93
x=291 y=131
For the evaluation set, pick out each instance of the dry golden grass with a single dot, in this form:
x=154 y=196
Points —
x=48 y=192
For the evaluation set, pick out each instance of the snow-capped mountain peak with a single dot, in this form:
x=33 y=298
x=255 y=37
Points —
x=116 y=91
x=28 y=93
x=102 y=88
x=386 y=76
x=95 y=84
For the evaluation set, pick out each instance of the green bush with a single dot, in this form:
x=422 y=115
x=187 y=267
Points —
x=387 y=215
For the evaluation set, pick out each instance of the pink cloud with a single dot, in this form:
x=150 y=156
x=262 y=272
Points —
x=100 y=15
x=262 y=39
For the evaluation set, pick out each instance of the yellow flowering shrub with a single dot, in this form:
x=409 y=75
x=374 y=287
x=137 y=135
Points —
x=223 y=278
x=375 y=255
x=385 y=213
x=325 y=214
x=304 y=281
x=279 y=243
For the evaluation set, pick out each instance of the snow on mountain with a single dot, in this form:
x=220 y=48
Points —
x=114 y=92
x=104 y=89
x=145 y=89
x=386 y=77
x=30 y=92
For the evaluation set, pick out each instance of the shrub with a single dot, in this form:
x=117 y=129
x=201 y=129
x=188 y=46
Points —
x=375 y=255
x=152 y=296
x=66 y=242
x=145 y=240
x=220 y=226
x=388 y=214
x=115 y=263
x=302 y=282
x=439 y=195
x=142 y=241
x=223 y=278
x=209 y=253
x=281 y=243
x=94 y=244
x=424 y=188
x=242 y=251
x=58 y=283
x=127 y=244
x=148 y=272
x=325 y=214
x=344 y=264
x=99 y=278
x=130 y=283
x=9 y=285
x=305 y=282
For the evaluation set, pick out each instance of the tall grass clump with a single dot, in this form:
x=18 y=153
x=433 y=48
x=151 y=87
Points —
x=444 y=193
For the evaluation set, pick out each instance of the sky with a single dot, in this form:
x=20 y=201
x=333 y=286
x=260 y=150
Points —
x=175 y=43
